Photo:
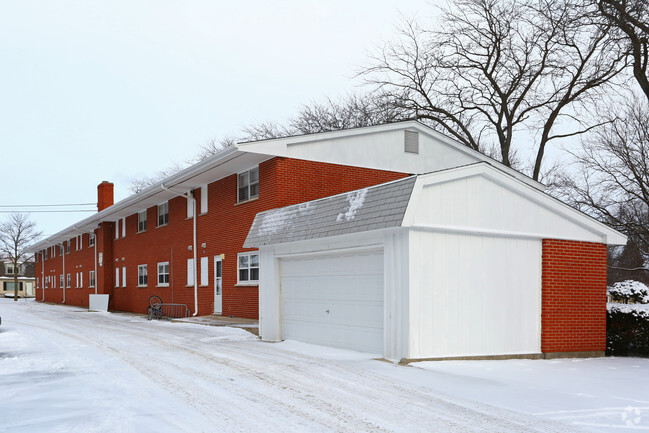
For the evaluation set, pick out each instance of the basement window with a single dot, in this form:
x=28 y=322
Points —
x=248 y=265
x=248 y=185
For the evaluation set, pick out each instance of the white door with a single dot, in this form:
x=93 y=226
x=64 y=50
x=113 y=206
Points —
x=334 y=300
x=218 y=285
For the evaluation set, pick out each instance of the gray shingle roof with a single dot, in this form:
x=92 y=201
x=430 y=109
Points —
x=376 y=207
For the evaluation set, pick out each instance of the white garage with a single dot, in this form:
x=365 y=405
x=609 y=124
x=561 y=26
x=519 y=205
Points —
x=436 y=266
x=334 y=300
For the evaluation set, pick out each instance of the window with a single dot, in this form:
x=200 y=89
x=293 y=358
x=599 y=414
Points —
x=190 y=272
x=38 y=283
x=91 y=279
x=76 y=276
x=61 y=250
x=47 y=282
x=53 y=281
x=163 y=274
x=141 y=221
x=69 y=282
x=249 y=184
x=248 y=267
x=116 y=229
x=45 y=254
x=163 y=214
x=91 y=240
x=204 y=271
x=61 y=281
x=79 y=244
x=124 y=227
x=80 y=279
x=116 y=277
x=67 y=246
x=124 y=276
x=142 y=276
x=9 y=269
x=53 y=251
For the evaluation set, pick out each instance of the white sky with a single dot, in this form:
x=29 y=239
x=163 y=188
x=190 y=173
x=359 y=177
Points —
x=116 y=90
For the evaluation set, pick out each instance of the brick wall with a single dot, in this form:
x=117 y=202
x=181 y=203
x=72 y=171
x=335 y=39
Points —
x=223 y=229
x=573 y=296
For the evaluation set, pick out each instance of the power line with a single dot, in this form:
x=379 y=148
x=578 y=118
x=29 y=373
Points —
x=48 y=205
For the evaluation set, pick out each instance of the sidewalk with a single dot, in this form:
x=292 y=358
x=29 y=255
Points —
x=250 y=325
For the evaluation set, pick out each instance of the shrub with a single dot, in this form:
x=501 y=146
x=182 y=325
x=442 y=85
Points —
x=627 y=330
x=629 y=291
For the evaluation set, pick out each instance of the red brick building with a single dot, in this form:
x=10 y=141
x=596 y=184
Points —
x=183 y=238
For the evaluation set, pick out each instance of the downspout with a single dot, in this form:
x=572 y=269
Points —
x=93 y=233
x=191 y=197
x=42 y=274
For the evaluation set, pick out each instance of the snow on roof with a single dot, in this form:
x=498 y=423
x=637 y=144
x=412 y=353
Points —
x=376 y=207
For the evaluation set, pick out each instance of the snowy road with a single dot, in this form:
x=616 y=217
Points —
x=64 y=369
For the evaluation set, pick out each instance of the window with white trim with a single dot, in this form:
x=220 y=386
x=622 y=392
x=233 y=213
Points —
x=61 y=250
x=76 y=276
x=163 y=214
x=124 y=227
x=116 y=277
x=67 y=246
x=248 y=185
x=91 y=239
x=116 y=229
x=68 y=283
x=141 y=221
x=190 y=204
x=54 y=281
x=248 y=266
x=9 y=269
x=38 y=283
x=61 y=281
x=142 y=278
x=163 y=274
x=190 y=272
x=80 y=279
x=79 y=242
x=124 y=276
x=45 y=254
x=53 y=251
x=91 y=279
x=47 y=282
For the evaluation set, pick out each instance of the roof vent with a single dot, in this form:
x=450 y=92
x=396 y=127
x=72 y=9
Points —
x=411 y=142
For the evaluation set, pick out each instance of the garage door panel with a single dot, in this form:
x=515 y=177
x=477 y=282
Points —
x=334 y=300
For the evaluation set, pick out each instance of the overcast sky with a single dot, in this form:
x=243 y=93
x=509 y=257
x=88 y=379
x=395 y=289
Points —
x=116 y=90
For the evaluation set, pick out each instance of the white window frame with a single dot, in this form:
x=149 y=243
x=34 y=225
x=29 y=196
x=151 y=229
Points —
x=124 y=276
x=124 y=227
x=248 y=268
x=61 y=280
x=116 y=277
x=91 y=279
x=141 y=222
x=47 y=282
x=67 y=246
x=81 y=280
x=190 y=272
x=165 y=216
x=53 y=281
x=159 y=274
x=244 y=184
x=190 y=205
x=68 y=282
x=79 y=242
x=91 y=239
x=53 y=251
x=38 y=283
x=141 y=274
x=116 y=229
x=76 y=276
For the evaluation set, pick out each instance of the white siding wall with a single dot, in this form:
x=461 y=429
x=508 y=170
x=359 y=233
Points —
x=480 y=203
x=473 y=295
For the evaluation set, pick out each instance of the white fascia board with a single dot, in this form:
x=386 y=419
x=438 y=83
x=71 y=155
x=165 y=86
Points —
x=611 y=236
x=280 y=146
x=185 y=180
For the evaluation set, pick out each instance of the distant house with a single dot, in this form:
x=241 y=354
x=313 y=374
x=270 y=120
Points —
x=26 y=279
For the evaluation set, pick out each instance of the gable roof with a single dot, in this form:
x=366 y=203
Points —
x=372 y=208
x=396 y=204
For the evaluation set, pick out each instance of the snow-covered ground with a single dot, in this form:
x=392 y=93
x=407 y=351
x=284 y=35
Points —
x=63 y=369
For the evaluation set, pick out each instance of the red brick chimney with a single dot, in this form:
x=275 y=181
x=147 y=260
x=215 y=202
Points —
x=104 y=195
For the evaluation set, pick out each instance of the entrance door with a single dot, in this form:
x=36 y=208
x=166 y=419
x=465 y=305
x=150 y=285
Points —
x=218 y=285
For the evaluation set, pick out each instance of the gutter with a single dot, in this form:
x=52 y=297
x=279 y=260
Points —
x=189 y=196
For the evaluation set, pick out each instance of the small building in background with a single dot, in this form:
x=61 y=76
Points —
x=26 y=280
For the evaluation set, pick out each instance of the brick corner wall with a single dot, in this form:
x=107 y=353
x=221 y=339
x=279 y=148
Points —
x=573 y=314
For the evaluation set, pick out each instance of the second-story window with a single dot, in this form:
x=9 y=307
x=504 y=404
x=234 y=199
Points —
x=248 y=184
x=91 y=240
x=141 y=221
x=163 y=214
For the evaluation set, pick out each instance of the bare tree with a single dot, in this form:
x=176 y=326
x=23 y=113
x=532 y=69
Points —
x=631 y=18
x=491 y=69
x=352 y=111
x=16 y=233
x=614 y=175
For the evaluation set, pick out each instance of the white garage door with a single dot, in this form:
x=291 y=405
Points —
x=334 y=300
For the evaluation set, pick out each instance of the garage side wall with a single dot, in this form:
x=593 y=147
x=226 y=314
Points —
x=574 y=296
x=474 y=295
